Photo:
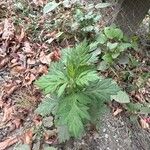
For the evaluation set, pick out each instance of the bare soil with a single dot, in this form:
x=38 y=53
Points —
x=116 y=133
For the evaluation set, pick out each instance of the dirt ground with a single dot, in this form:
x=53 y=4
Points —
x=116 y=133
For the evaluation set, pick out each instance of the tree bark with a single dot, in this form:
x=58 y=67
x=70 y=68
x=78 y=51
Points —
x=130 y=14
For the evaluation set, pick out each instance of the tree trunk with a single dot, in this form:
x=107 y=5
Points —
x=130 y=14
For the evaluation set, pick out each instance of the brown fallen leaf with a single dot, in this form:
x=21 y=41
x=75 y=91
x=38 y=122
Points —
x=4 y=47
x=55 y=55
x=8 y=112
x=8 y=142
x=9 y=88
x=11 y=126
x=50 y=134
x=17 y=122
x=33 y=71
x=8 y=31
x=51 y=34
x=13 y=88
x=37 y=120
x=31 y=61
x=147 y=119
x=14 y=60
x=1 y=103
x=1 y=28
x=28 y=137
x=42 y=69
x=17 y=70
x=22 y=35
x=18 y=81
x=3 y=62
x=139 y=97
x=27 y=48
x=117 y=111
x=144 y=124
x=29 y=78
x=45 y=59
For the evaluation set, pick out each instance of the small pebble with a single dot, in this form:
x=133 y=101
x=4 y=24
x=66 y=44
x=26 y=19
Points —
x=122 y=123
x=106 y=136
x=104 y=130
x=96 y=136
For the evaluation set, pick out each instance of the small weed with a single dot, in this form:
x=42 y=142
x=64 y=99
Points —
x=25 y=99
x=112 y=43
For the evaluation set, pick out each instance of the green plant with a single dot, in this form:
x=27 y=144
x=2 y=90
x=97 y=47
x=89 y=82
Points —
x=28 y=17
x=86 y=21
x=115 y=45
x=112 y=43
x=73 y=19
x=22 y=147
x=139 y=108
x=77 y=93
